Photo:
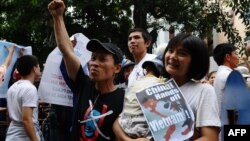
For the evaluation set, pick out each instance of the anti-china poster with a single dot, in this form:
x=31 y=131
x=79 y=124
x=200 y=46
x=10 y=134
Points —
x=167 y=113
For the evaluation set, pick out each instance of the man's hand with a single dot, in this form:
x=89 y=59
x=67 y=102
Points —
x=56 y=8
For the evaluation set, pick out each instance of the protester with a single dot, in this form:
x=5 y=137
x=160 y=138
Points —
x=3 y=102
x=127 y=67
x=211 y=77
x=245 y=59
x=6 y=63
x=139 y=41
x=243 y=70
x=98 y=101
x=226 y=57
x=247 y=64
x=22 y=102
x=186 y=58
x=15 y=76
x=132 y=121
x=245 y=74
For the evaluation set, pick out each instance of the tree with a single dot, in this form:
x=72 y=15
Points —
x=197 y=16
x=25 y=23
x=106 y=20
x=28 y=22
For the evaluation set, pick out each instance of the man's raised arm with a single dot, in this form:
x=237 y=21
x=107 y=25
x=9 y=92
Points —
x=56 y=9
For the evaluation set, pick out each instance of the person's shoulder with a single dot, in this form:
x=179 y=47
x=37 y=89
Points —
x=81 y=75
x=150 y=56
x=199 y=85
x=206 y=89
x=206 y=85
x=121 y=90
x=118 y=94
x=25 y=84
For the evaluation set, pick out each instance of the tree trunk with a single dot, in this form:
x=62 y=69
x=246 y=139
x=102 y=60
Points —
x=139 y=14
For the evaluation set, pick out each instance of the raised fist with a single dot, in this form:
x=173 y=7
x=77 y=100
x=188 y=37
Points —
x=56 y=8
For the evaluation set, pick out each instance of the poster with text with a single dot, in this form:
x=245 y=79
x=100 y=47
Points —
x=53 y=88
x=168 y=115
x=3 y=55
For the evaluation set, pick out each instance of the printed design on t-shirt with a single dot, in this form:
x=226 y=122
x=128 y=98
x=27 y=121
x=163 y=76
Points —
x=139 y=74
x=92 y=122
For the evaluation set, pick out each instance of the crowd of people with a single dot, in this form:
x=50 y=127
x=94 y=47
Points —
x=106 y=108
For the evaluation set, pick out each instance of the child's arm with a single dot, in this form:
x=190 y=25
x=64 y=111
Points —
x=121 y=136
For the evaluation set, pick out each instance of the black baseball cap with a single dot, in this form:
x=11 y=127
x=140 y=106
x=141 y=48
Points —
x=95 y=44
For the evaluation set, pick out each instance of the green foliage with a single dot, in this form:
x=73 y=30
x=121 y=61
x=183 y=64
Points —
x=199 y=17
x=28 y=22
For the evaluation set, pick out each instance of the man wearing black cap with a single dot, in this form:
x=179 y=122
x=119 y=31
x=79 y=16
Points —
x=98 y=102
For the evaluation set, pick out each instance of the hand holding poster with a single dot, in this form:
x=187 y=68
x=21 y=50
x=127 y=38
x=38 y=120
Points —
x=53 y=88
x=3 y=55
x=168 y=115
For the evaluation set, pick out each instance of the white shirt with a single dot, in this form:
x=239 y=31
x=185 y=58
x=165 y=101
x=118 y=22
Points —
x=21 y=94
x=203 y=101
x=137 y=72
x=220 y=81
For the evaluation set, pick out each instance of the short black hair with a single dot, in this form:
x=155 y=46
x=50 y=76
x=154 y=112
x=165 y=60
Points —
x=220 y=52
x=198 y=51
x=25 y=64
x=146 y=36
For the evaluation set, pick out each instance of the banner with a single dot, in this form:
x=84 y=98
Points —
x=168 y=115
x=53 y=88
x=235 y=102
x=3 y=55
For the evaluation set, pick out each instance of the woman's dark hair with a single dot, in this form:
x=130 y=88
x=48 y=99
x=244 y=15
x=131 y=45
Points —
x=198 y=51
x=25 y=64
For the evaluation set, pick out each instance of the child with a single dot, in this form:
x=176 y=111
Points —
x=132 y=120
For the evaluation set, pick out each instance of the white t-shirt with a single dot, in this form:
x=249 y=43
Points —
x=21 y=94
x=137 y=72
x=203 y=101
x=220 y=82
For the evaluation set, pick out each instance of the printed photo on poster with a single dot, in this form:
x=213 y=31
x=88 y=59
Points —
x=167 y=113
